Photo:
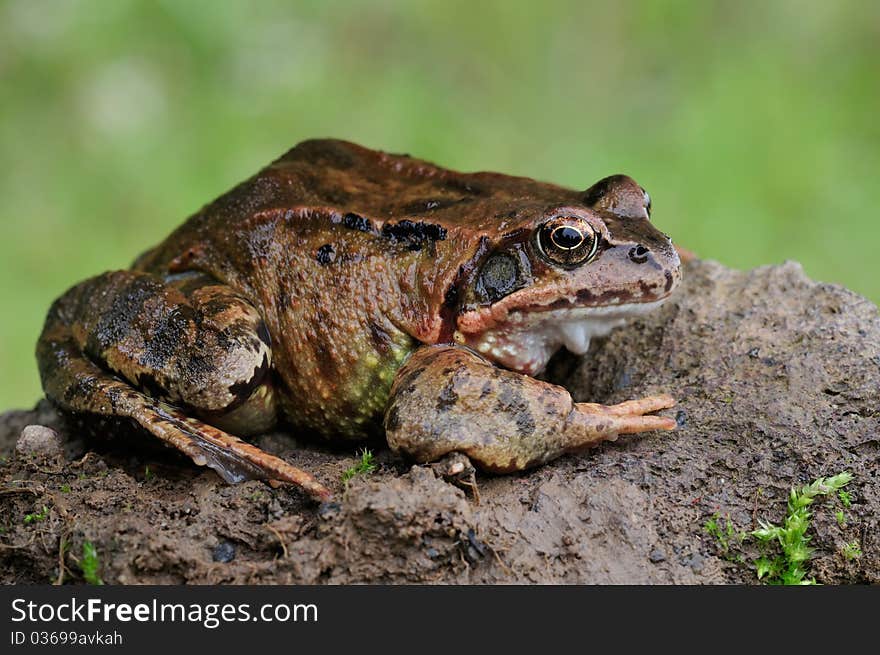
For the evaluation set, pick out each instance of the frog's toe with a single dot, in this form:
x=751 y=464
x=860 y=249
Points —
x=635 y=423
x=233 y=459
x=641 y=405
x=591 y=423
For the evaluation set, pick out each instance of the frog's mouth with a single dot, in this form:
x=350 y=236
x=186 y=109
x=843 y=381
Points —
x=525 y=340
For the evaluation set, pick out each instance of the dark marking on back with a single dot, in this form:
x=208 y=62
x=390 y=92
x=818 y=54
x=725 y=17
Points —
x=414 y=233
x=115 y=322
x=81 y=387
x=198 y=364
x=114 y=395
x=669 y=281
x=356 y=222
x=166 y=336
x=326 y=254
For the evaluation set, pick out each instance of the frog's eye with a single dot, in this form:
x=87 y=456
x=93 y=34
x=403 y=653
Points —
x=567 y=241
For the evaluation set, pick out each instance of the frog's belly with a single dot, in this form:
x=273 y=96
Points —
x=339 y=391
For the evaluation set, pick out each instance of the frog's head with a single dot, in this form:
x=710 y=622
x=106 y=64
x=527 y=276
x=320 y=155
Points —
x=567 y=273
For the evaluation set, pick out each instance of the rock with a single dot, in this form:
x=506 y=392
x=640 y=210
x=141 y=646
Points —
x=40 y=441
x=778 y=378
x=224 y=552
x=13 y=422
x=409 y=528
x=657 y=556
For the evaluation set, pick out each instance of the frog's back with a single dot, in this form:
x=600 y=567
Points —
x=337 y=177
x=350 y=255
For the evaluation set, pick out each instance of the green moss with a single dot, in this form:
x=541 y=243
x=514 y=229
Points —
x=852 y=550
x=789 y=566
x=365 y=466
x=786 y=546
x=89 y=564
x=36 y=516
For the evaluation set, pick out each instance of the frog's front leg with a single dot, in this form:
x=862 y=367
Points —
x=449 y=399
x=185 y=358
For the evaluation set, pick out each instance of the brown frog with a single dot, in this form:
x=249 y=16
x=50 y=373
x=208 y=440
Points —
x=343 y=289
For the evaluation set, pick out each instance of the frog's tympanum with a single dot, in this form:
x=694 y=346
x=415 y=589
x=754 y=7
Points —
x=344 y=290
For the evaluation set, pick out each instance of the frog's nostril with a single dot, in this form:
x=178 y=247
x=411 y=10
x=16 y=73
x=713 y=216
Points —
x=639 y=254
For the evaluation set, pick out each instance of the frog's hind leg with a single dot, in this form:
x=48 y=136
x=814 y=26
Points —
x=131 y=345
x=448 y=399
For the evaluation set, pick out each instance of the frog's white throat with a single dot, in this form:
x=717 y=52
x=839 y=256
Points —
x=526 y=341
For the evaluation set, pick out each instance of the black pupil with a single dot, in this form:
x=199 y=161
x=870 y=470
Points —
x=567 y=237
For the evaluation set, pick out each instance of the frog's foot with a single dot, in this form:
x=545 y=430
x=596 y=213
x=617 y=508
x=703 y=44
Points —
x=92 y=392
x=449 y=399
x=598 y=423
x=129 y=345
x=232 y=458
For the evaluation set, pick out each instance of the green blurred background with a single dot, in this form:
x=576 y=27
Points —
x=754 y=125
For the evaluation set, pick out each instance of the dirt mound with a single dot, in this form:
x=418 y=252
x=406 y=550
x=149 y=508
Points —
x=777 y=379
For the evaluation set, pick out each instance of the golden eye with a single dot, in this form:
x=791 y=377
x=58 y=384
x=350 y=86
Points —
x=567 y=241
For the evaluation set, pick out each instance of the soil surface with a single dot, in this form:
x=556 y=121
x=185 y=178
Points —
x=777 y=379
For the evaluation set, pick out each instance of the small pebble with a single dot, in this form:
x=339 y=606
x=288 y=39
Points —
x=657 y=556
x=329 y=509
x=680 y=418
x=224 y=552
x=39 y=440
x=696 y=563
x=476 y=549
